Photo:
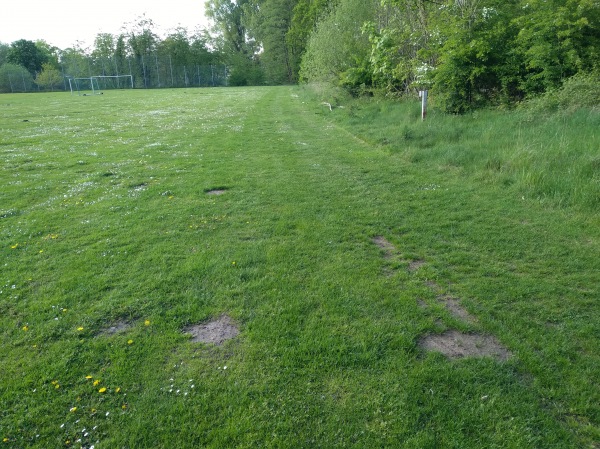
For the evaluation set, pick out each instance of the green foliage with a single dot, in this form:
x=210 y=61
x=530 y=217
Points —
x=49 y=77
x=473 y=57
x=579 y=91
x=557 y=39
x=245 y=72
x=75 y=63
x=15 y=78
x=338 y=49
x=305 y=17
x=269 y=22
x=27 y=54
x=471 y=53
x=4 y=49
x=228 y=16
x=238 y=49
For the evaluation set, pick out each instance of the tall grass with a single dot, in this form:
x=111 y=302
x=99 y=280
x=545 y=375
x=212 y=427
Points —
x=552 y=157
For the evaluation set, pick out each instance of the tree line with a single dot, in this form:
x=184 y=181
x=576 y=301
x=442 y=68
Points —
x=469 y=53
x=180 y=59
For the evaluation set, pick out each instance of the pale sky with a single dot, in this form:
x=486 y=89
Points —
x=64 y=22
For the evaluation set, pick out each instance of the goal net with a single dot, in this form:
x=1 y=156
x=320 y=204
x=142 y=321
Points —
x=94 y=85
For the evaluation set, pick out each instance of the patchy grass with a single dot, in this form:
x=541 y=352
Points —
x=334 y=254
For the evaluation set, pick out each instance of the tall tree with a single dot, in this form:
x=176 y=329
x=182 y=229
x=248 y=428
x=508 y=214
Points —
x=27 y=54
x=557 y=39
x=269 y=22
x=175 y=53
x=75 y=63
x=474 y=66
x=228 y=18
x=304 y=20
x=50 y=51
x=142 y=41
x=338 y=48
x=103 y=54
x=239 y=51
x=4 y=49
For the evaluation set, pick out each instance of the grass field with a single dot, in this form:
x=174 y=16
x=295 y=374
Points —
x=343 y=246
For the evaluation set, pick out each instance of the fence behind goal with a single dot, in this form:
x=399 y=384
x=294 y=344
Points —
x=94 y=85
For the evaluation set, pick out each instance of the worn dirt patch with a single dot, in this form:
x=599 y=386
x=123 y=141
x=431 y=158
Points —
x=455 y=345
x=433 y=286
x=414 y=265
x=216 y=192
x=116 y=328
x=387 y=247
x=214 y=332
x=456 y=309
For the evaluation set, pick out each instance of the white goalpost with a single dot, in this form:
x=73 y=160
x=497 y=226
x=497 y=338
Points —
x=94 y=85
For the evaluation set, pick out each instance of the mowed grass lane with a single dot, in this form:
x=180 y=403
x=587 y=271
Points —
x=333 y=258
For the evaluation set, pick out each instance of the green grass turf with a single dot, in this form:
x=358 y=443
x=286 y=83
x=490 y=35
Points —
x=105 y=220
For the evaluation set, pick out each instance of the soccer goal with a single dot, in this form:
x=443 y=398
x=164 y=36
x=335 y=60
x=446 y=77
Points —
x=94 y=85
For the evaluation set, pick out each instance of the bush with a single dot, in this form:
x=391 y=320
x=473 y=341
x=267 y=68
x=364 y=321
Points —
x=15 y=78
x=579 y=91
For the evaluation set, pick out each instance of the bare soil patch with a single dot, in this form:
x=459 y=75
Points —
x=455 y=345
x=214 y=332
x=414 y=265
x=432 y=285
x=455 y=308
x=216 y=192
x=387 y=247
x=116 y=328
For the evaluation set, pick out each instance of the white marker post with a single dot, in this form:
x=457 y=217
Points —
x=423 y=97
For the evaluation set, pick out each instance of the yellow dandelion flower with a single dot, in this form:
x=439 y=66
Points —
x=124 y=406
x=41 y=251
x=5 y=440
x=57 y=386
x=96 y=382
x=25 y=328
x=102 y=390
x=147 y=323
x=118 y=390
x=88 y=377
x=14 y=246
x=73 y=409
x=129 y=342
x=80 y=328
